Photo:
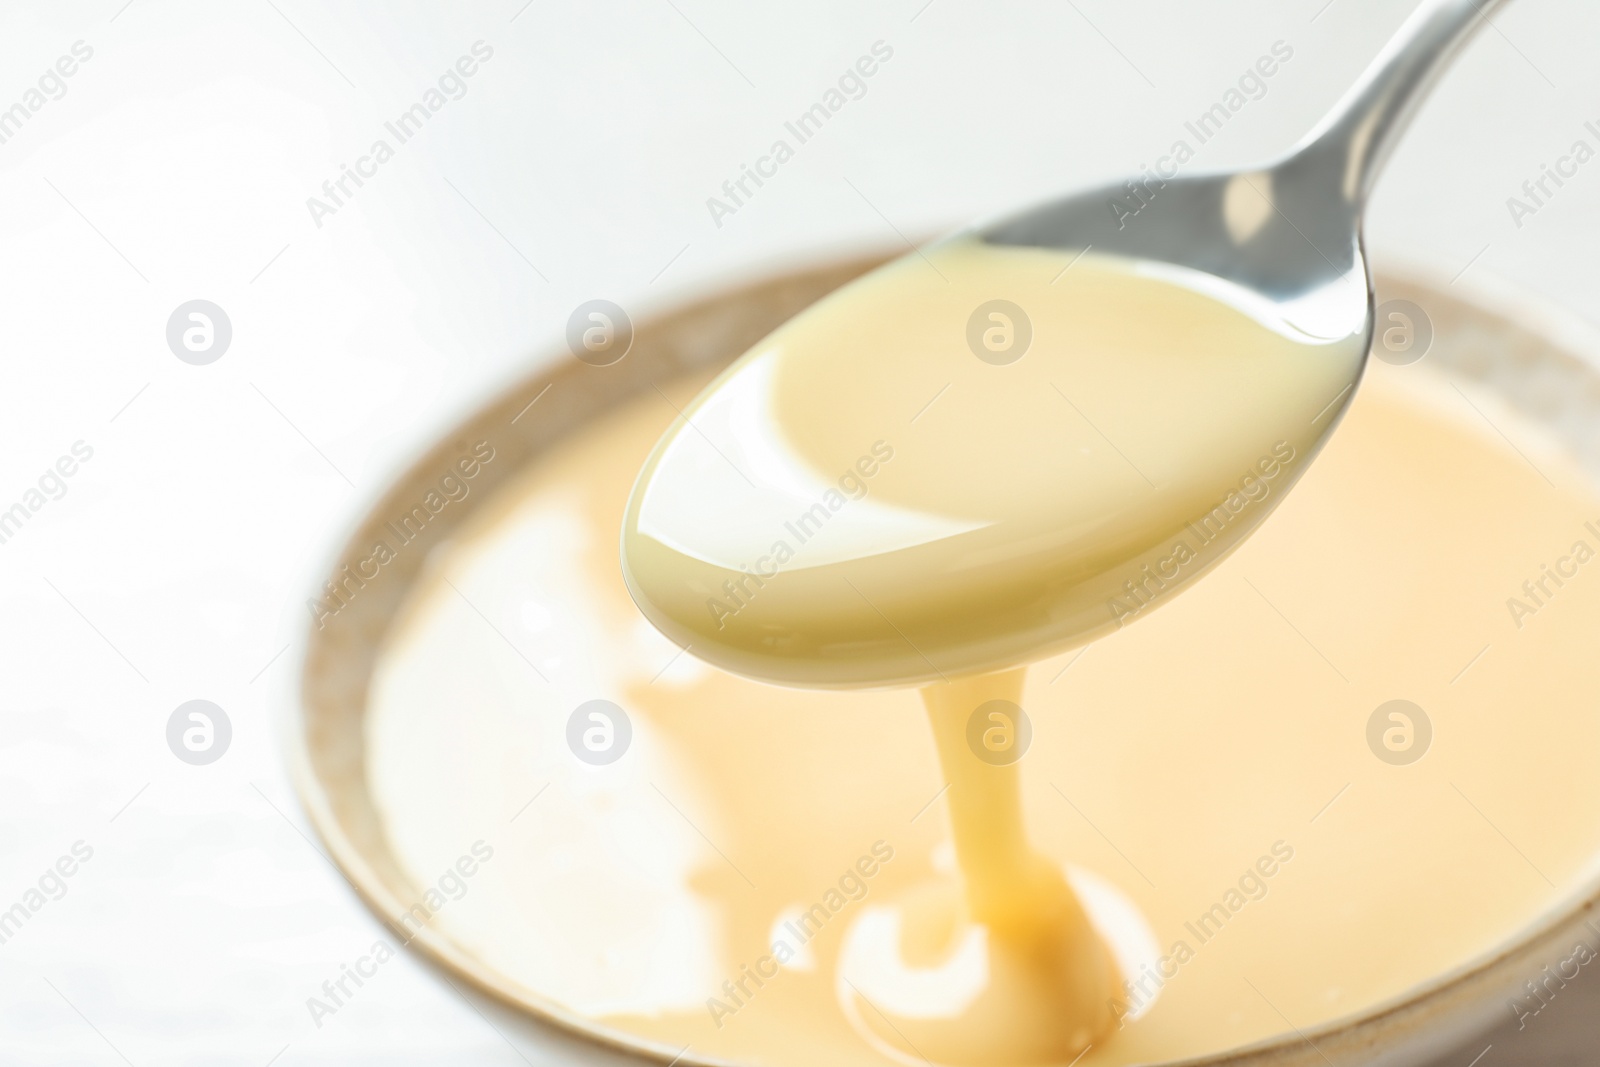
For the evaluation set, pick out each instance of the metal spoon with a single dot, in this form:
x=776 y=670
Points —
x=945 y=568
x=1306 y=253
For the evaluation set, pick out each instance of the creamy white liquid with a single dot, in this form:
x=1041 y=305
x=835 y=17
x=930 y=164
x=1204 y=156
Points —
x=1176 y=760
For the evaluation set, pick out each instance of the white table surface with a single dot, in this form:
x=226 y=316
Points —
x=177 y=165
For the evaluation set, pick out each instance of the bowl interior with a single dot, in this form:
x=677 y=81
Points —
x=1537 y=364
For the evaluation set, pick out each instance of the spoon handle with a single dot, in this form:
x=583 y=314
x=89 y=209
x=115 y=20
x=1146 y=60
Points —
x=1369 y=119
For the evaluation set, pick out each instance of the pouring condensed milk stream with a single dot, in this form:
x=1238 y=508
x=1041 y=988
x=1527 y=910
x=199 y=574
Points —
x=1006 y=445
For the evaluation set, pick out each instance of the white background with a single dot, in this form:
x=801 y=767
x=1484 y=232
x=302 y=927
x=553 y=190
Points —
x=178 y=165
